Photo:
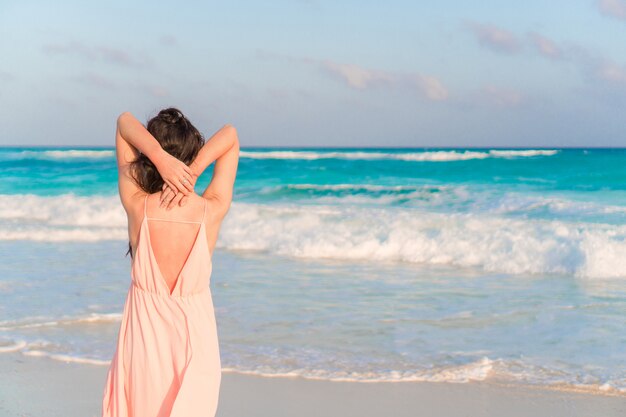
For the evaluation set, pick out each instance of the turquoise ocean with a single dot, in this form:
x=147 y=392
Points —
x=458 y=265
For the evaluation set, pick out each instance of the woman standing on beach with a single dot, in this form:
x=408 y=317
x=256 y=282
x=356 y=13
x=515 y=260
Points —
x=167 y=360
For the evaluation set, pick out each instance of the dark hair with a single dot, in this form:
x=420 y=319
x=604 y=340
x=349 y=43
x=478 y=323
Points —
x=178 y=137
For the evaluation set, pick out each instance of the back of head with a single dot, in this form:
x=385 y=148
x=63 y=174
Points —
x=177 y=136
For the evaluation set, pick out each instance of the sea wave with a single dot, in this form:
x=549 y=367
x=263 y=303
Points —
x=483 y=369
x=458 y=198
x=38 y=322
x=66 y=358
x=488 y=241
x=474 y=371
x=59 y=154
x=367 y=194
x=360 y=187
x=425 y=156
x=522 y=153
x=67 y=217
x=498 y=244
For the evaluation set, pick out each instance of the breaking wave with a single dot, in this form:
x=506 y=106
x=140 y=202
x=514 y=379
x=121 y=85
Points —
x=426 y=156
x=488 y=241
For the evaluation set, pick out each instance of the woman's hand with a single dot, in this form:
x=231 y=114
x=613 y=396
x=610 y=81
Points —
x=176 y=174
x=170 y=197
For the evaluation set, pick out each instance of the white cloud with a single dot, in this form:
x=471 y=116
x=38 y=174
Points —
x=591 y=64
x=545 y=46
x=362 y=78
x=357 y=77
x=613 y=8
x=611 y=72
x=431 y=87
x=495 y=38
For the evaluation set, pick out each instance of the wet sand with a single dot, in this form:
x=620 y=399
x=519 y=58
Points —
x=42 y=387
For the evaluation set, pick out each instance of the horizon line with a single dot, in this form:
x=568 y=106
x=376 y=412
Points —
x=69 y=147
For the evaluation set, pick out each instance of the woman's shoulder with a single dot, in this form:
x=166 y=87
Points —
x=150 y=202
x=135 y=203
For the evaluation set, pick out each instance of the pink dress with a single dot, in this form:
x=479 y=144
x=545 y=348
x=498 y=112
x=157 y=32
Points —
x=167 y=360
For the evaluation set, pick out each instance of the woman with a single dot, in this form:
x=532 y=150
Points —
x=167 y=359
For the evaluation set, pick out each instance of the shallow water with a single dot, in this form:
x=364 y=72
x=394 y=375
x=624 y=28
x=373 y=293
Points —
x=452 y=265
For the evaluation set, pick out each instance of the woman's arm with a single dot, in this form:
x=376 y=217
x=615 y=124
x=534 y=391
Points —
x=174 y=172
x=225 y=153
x=223 y=148
x=217 y=146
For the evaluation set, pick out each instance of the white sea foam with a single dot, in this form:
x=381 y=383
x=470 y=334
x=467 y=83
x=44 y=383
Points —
x=425 y=156
x=430 y=155
x=514 y=246
x=478 y=240
x=476 y=367
x=522 y=153
x=38 y=322
x=63 y=218
x=65 y=358
x=60 y=154
x=522 y=203
x=480 y=370
x=358 y=187
x=475 y=371
x=13 y=347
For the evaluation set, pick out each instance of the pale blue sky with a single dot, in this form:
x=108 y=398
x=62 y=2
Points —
x=319 y=73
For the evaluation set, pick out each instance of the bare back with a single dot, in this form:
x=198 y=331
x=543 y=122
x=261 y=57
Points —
x=174 y=233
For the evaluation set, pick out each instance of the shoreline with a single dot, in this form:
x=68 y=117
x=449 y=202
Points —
x=564 y=388
x=41 y=386
x=590 y=389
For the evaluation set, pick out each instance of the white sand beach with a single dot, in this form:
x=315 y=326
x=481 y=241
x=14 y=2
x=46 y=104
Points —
x=41 y=387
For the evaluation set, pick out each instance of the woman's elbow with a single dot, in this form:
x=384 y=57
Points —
x=232 y=132
x=123 y=115
x=230 y=129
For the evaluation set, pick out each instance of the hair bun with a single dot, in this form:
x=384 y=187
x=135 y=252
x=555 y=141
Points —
x=171 y=115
